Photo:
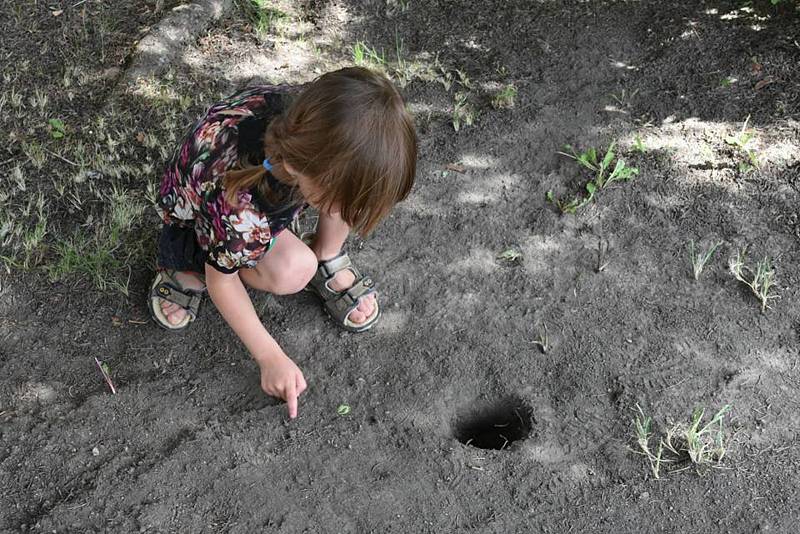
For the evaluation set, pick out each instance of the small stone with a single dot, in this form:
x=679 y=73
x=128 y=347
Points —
x=95 y=451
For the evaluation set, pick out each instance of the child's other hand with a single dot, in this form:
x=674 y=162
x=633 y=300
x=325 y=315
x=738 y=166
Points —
x=281 y=378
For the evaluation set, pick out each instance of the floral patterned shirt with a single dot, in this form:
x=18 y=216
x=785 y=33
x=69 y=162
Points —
x=192 y=191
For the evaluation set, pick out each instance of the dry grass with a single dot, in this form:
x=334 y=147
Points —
x=695 y=444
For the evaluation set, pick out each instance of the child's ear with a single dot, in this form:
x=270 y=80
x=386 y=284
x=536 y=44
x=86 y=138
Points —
x=289 y=169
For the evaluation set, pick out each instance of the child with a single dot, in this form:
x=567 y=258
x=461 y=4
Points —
x=343 y=144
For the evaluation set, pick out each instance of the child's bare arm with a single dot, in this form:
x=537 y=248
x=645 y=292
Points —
x=280 y=377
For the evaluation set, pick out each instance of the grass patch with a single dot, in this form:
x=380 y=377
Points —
x=105 y=254
x=264 y=18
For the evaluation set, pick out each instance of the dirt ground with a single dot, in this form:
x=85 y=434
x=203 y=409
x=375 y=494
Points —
x=190 y=443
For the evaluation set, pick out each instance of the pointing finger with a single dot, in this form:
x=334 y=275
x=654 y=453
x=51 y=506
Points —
x=291 y=399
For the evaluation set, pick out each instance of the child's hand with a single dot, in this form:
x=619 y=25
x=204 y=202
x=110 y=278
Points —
x=281 y=378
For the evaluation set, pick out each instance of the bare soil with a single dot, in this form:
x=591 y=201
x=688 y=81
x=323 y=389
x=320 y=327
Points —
x=191 y=444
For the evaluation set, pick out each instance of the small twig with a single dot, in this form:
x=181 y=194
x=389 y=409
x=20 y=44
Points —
x=602 y=250
x=106 y=376
x=59 y=156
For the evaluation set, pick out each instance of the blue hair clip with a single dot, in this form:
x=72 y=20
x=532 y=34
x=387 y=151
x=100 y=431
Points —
x=267 y=165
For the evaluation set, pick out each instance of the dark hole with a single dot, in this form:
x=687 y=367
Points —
x=493 y=425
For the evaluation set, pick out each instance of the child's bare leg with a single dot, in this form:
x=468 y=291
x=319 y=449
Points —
x=331 y=234
x=286 y=269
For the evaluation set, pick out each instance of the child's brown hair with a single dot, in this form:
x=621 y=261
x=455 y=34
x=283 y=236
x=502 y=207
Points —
x=351 y=135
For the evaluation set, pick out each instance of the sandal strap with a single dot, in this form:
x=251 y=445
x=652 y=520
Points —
x=327 y=269
x=171 y=291
x=341 y=304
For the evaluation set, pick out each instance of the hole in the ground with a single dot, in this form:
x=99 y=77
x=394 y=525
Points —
x=493 y=425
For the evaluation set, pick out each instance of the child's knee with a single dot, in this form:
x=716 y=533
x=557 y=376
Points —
x=297 y=272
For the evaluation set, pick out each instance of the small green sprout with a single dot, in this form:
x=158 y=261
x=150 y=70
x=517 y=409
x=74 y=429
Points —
x=588 y=159
x=57 y=128
x=741 y=142
x=505 y=98
x=343 y=409
x=699 y=259
x=639 y=145
x=760 y=280
x=463 y=113
x=510 y=255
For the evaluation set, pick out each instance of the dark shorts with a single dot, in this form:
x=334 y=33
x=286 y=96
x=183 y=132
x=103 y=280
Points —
x=178 y=250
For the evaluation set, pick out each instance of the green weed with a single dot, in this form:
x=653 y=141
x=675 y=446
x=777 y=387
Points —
x=57 y=128
x=760 y=280
x=602 y=178
x=505 y=98
x=510 y=255
x=741 y=142
x=605 y=170
x=463 y=112
x=699 y=259
x=639 y=145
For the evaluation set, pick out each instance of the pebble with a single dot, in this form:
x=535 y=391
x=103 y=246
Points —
x=95 y=452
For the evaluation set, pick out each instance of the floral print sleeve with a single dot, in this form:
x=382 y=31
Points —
x=192 y=191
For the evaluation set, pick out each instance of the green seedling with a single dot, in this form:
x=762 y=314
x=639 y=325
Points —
x=741 y=142
x=619 y=172
x=702 y=443
x=639 y=145
x=105 y=370
x=343 y=409
x=57 y=128
x=642 y=426
x=604 y=174
x=699 y=443
x=699 y=259
x=760 y=280
x=576 y=203
x=463 y=113
x=510 y=255
x=505 y=98
x=542 y=340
